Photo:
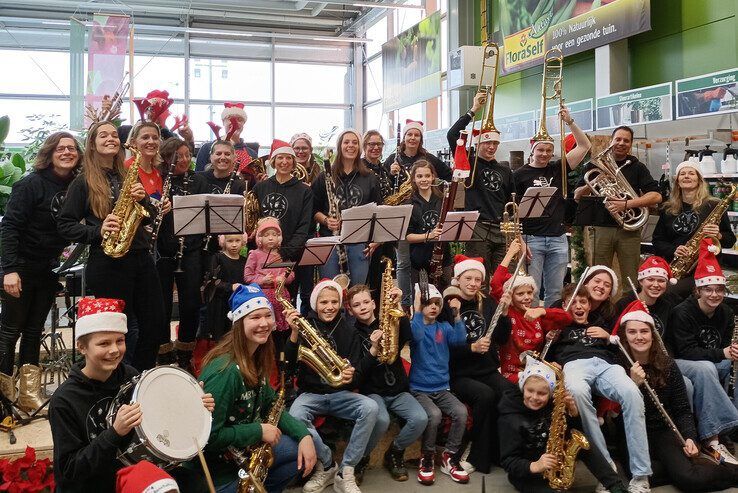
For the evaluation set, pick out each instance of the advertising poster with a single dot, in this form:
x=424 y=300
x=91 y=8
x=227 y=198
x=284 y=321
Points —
x=581 y=111
x=634 y=107
x=517 y=126
x=106 y=57
x=411 y=65
x=528 y=28
x=707 y=94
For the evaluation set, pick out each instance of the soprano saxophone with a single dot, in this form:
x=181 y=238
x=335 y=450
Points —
x=389 y=319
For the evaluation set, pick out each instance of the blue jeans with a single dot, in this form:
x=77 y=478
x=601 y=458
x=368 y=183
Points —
x=283 y=470
x=547 y=267
x=610 y=381
x=408 y=409
x=358 y=264
x=404 y=281
x=344 y=404
x=712 y=406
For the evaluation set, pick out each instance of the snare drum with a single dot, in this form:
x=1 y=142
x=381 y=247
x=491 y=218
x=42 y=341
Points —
x=174 y=417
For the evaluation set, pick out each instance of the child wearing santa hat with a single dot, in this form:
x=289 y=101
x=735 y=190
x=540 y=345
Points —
x=145 y=477
x=524 y=423
x=528 y=326
x=236 y=371
x=318 y=398
x=85 y=447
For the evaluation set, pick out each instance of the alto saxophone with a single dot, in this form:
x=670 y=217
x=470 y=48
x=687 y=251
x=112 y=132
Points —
x=253 y=471
x=314 y=350
x=116 y=244
x=389 y=319
x=683 y=265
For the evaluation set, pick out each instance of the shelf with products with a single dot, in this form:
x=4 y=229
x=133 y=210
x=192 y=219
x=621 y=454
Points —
x=722 y=176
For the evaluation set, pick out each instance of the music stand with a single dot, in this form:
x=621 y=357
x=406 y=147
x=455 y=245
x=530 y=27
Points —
x=372 y=223
x=534 y=201
x=318 y=250
x=208 y=214
x=277 y=261
x=459 y=226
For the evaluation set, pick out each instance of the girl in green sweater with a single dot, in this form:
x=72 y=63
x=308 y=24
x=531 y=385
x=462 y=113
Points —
x=236 y=372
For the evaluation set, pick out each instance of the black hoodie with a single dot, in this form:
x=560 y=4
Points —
x=168 y=244
x=425 y=217
x=442 y=169
x=660 y=310
x=292 y=203
x=218 y=185
x=351 y=191
x=85 y=447
x=574 y=344
x=30 y=239
x=695 y=336
x=383 y=379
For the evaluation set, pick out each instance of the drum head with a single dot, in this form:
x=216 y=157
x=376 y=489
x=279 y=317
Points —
x=173 y=414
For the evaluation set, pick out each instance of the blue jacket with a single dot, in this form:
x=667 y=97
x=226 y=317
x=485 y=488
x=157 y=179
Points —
x=429 y=351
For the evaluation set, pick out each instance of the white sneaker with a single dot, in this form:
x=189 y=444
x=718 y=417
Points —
x=468 y=467
x=725 y=456
x=320 y=479
x=639 y=484
x=345 y=482
x=601 y=489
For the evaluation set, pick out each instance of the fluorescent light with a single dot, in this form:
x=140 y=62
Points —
x=388 y=6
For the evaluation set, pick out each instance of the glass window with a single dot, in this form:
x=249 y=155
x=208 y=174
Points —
x=445 y=113
x=412 y=112
x=229 y=80
x=27 y=76
x=258 y=123
x=378 y=35
x=301 y=82
x=20 y=110
x=322 y=124
x=373 y=80
x=374 y=119
x=444 y=44
x=407 y=18
x=443 y=5
x=161 y=72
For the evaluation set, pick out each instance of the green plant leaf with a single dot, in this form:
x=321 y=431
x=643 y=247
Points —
x=4 y=128
x=4 y=189
x=19 y=162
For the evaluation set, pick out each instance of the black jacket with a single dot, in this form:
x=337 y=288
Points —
x=30 y=241
x=352 y=190
x=695 y=336
x=573 y=344
x=292 y=203
x=203 y=155
x=386 y=181
x=77 y=207
x=660 y=311
x=85 y=447
x=168 y=244
x=442 y=169
x=383 y=379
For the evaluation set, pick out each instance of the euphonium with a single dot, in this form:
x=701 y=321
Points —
x=300 y=172
x=129 y=212
x=606 y=180
x=389 y=319
x=314 y=349
x=251 y=212
x=511 y=228
x=681 y=266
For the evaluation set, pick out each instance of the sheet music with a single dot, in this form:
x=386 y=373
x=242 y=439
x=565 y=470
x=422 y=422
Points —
x=534 y=202
x=453 y=222
x=317 y=250
x=226 y=214
x=391 y=223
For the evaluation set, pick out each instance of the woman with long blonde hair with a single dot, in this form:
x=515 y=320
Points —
x=87 y=215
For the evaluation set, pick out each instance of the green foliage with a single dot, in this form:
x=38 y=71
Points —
x=42 y=126
x=4 y=128
x=12 y=166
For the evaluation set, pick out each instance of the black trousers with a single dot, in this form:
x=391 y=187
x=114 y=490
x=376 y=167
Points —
x=188 y=291
x=305 y=283
x=482 y=394
x=133 y=279
x=24 y=318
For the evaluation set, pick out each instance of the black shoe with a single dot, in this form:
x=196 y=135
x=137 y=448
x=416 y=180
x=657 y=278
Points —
x=360 y=468
x=166 y=355
x=394 y=461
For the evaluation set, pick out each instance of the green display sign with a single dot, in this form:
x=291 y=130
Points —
x=707 y=94
x=635 y=107
x=517 y=126
x=581 y=111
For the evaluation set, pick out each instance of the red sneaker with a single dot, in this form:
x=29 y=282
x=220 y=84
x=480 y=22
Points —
x=426 y=473
x=452 y=467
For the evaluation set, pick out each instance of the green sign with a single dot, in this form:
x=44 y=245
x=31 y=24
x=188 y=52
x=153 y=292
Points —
x=635 y=107
x=707 y=94
x=517 y=126
x=581 y=111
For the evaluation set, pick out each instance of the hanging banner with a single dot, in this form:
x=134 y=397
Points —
x=634 y=107
x=77 y=31
x=516 y=127
x=106 y=56
x=707 y=94
x=527 y=29
x=581 y=111
x=411 y=65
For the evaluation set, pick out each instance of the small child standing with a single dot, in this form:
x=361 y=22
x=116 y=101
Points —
x=429 y=383
x=224 y=276
x=529 y=325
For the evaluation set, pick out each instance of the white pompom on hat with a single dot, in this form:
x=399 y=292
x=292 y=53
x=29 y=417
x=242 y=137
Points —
x=325 y=283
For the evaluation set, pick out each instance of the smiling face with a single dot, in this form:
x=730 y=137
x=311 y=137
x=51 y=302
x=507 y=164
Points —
x=488 y=149
x=536 y=393
x=542 y=154
x=579 y=309
x=373 y=148
x=522 y=297
x=362 y=307
x=107 y=142
x=423 y=178
x=639 y=336
x=623 y=141
x=184 y=159
x=653 y=286
x=412 y=139
x=222 y=159
x=688 y=179
x=147 y=141
x=470 y=282
x=328 y=304
x=258 y=325
x=271 y=238
x=600 y=287
x=103 y=351
x=303 y=150
x=350 y=146
x=712 y=296
x=284 y=164
x=65 y=156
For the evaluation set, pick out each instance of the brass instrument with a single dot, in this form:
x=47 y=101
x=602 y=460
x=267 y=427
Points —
x=511 y=228
x=180 y=251
x=606 y=180
x=314 y=350
x=116 y=244
x=404 y=191
x=564 y=449
x=681 y=266
x=251 y=212
x=389 y=318
x=253 y=471
x=160 y=206
x=257 y=166
x=343 y=278
x=300 y=172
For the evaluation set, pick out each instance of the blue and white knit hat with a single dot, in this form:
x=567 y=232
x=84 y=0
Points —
x=246 y=299
x=534 y=368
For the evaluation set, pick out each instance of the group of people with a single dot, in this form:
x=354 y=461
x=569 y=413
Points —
x=467 y=332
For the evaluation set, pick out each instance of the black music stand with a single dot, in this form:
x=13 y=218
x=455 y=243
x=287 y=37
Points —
x=459 y=226
x=207 y=214
x=373 y=223
x=534 y=201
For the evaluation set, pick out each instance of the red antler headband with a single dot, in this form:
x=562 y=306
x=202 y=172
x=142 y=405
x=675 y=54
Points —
x=142 y=104
x=216 y=129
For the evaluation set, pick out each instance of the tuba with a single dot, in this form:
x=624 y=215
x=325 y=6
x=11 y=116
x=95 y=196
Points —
x=131 y=213
x=681 y=266
x=511 y=228
x=605 y=180
x=315 y=351
x=389 y=319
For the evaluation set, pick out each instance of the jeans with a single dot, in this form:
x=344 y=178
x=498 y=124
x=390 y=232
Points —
x=548 y=264
x=408 y=409
x=304 y=280
x=358 y=264
x=188 y=291
x=344 y=404
x=281 y=473
x=610 y=381
x=712 y=406
x=491 y=249
x=725 y=368
x=403 y=272
x=436 y=404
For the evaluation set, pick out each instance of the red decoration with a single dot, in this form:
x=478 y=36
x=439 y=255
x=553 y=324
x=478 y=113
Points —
x=235 y=125
x=26 y=474
x=216 y=129
x=143 y=105
x=182 y=121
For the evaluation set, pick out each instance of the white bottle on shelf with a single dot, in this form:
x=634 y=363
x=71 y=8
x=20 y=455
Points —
x=729 y=165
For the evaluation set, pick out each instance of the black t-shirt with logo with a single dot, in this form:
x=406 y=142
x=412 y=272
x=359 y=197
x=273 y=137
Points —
x=424 y=218
x=352 y=190
x=551 y=223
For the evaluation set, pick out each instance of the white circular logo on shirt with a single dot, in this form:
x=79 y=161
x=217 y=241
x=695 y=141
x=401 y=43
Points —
x=349 y=196
x=96 y=418
x=491 y=179
x=430 y=219
x=474 y=325
x=274 y=205
x=709 y=337
x=686 y=223
x=56 y=203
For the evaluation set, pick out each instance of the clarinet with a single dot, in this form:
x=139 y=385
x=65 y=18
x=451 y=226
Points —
x=160 y=207
x=226 y=191
x=436 y=263
x=396 y=185
x=180 y=251
x=343 y=278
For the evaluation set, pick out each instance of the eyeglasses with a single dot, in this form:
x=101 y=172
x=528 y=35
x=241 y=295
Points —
x=711 y=291
x=375 y=144
x=62 y=149
x=301 y=149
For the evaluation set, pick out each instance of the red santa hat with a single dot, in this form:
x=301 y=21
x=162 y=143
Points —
x=491 y=135
x=325 y=283
x=569 y=142
x=233 y=109
x=635 y=311
x=688 y=164
x=708 y=269
x=100 y=315
x=281 y=147
x=520 y=280
x=462 y=169
x=655 y=266
x=410 y=124
x=145 y=477
x=462 y=263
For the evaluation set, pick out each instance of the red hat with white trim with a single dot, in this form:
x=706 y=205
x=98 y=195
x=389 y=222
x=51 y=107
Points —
x=325 y=283
x=281 y=147
x=708 y=269
x=462 y=263
x=145 y=477
x=635 y=312
x=410 y=124
x=462 y=168
x=654 y=266
x=487 y=136
x=233 y=109
x=100 y=315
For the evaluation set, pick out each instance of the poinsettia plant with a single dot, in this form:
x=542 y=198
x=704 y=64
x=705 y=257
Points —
x=26 y=474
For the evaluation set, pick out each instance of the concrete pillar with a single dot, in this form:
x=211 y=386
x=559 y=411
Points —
x=612 y=68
